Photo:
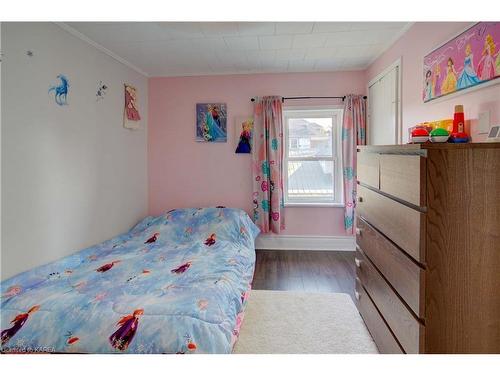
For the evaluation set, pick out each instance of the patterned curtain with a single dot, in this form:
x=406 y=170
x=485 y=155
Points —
x=267 y=164
x=353 y=134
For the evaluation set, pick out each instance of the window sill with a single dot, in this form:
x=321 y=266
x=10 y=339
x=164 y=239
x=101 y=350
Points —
x=315 y=205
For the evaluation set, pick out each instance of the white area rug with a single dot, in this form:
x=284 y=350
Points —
x=300 y=322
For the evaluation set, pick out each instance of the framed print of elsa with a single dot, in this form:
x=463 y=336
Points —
x=471 y=59
x=211 y=122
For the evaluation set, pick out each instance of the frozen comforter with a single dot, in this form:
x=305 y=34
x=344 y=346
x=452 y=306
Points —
x=175 y=283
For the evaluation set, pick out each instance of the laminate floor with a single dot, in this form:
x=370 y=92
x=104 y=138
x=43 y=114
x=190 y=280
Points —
x=307 y=271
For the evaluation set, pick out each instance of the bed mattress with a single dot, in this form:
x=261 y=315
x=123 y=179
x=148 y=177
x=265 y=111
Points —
x=175 y=283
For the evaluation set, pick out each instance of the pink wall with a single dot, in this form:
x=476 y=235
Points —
x=420 y=39
x=184 y=173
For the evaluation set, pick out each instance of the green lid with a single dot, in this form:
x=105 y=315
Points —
x=438 y=132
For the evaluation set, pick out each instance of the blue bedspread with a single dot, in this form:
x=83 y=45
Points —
x=175 y=283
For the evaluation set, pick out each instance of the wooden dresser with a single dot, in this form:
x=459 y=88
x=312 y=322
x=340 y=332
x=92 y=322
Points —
x=428 y=247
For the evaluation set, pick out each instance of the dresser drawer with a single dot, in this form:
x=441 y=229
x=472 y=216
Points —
x=401 y=224
x=368 y=168
x=405 y=276
x=405 y=327
x=383 y=337
x=403 y=176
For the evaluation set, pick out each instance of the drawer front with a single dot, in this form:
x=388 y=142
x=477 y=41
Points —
x=368 y=168
x=403 y=176
x=386 y=343
x=405 y=327
x=401 y=224
x=406 y=277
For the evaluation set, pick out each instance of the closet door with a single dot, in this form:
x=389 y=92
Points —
x=383 y=109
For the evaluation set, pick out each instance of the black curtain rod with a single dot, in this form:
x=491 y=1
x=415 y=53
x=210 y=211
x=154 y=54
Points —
x=313 y=97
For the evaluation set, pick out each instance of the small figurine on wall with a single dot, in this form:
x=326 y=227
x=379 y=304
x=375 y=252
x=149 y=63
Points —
x=244 y=127
x=131 y=115
x=102 y=89
x=61 y=90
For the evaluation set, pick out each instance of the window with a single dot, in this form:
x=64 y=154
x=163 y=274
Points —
x=313 y=170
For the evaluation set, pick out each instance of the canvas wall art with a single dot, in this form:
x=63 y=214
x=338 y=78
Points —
x=470 y=59
x=211 y=122
x=243 y=132
x=131 y=116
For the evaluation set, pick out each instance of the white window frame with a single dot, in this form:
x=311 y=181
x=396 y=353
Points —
x=336 y=158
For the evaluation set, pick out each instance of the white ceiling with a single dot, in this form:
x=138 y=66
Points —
x=205 y=48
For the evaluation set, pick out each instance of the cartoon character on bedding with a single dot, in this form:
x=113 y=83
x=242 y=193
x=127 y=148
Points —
x=182 y=268
x=12 y=291
x=124 y=335
x=153 y=238
x=18 y=323
x=107 y=266
x=210 y=241
x=70 y=338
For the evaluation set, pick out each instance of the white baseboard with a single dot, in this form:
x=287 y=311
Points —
x=288 y=242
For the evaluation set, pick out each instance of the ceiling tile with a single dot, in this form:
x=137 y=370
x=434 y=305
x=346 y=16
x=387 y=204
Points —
x=241 y=42
x=377 y=25
x=182 y=30
x=190 y=48
x=295 y=53
x=275 y=66
x=203 y=44
x=300 y=65
x=294 y=27
x=327 y=64
x=320 y=53
x=329 y=27
x=231 y=57
x=355 y=51
x=355 y=63
x=309 y=40
x=220 y=28
x=348 y=38
x=275 y=42
x=261 y=54
x=256 y=28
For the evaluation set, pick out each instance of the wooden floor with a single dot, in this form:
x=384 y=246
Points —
x=310 y=271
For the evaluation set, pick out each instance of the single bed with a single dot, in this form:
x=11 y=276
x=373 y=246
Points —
x=175 y=283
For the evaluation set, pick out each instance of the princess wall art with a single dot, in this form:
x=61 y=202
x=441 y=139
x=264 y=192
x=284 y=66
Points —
x=131 y=116
x=470 y=59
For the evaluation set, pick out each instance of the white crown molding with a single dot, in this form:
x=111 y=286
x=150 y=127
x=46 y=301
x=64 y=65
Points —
x=314 y=243
x=101 y=48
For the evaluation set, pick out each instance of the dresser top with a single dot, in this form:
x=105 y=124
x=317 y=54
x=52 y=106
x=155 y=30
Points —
x=421 y=147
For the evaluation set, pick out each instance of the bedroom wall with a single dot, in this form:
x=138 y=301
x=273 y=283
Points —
x=419 y=40
x=72 y=176
x=185 y=173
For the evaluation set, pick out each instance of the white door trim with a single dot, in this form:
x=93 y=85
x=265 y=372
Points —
x=399 y=112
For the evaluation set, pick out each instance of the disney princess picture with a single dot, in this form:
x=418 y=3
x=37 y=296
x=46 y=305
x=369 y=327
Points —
x=244 y=130
x=470 y=59
x=211 y=122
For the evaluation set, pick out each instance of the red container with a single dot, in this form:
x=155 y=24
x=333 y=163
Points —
x=458 y=134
